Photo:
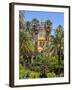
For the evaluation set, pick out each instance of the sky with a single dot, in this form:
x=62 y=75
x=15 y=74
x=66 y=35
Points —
x=57 y=18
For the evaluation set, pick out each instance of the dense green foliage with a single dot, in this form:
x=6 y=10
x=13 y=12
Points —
x=47 y=64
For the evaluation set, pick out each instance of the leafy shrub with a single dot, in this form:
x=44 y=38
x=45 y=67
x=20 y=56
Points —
x=23 y=73
x=40 y=65
x=55 y=66
x=43 y=70
x=51 y=75
x=35 y=67
x=34 y=74
x=53 y=63
x=21 y=59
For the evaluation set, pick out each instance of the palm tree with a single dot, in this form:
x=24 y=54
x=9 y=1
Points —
x=57 y=40
x=35 y=26
x=28 y=25
x=48 y=27
x=21 y=21
x=57 y=45
x=35 y=30
x=26 y=46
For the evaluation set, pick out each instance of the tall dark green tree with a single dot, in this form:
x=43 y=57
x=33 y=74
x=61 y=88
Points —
x=35 y=25
x=57 y=41
x=48 y=27
x=28 y=25
x=26 y=47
